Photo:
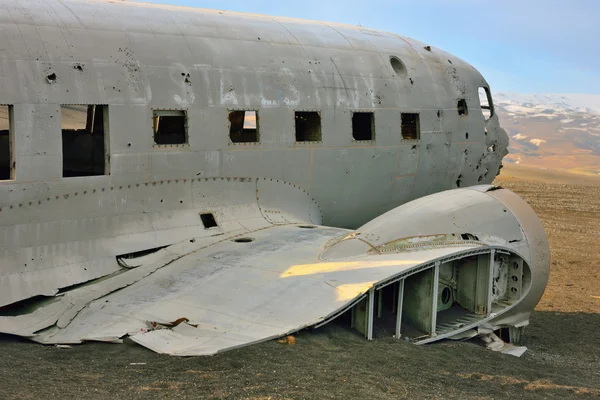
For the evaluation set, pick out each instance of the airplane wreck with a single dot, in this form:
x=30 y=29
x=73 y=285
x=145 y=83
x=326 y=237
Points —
x=200 y=180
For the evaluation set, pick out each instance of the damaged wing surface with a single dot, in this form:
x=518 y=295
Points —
x=191 y=298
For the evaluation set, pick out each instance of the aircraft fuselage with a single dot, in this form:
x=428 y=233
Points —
x=104 y=100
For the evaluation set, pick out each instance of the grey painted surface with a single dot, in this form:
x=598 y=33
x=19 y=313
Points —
x=56 y=232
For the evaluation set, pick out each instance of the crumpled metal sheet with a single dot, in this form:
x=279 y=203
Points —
x=231 y=294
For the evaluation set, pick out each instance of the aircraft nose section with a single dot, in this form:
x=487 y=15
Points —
x=496 y=141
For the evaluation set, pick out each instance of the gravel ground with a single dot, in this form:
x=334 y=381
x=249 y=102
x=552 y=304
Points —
x=563 y=360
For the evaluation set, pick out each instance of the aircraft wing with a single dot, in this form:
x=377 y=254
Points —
x=205 y=295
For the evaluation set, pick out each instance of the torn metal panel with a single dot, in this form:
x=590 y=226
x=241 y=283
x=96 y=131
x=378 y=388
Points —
x=494 y=343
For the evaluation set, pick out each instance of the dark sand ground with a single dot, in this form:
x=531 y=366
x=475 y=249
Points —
x=563 y=360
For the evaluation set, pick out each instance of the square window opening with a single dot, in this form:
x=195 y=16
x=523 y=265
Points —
x=410 y=126
x=84 y=140
x=363 y=126
x=170 y=127
x=208 y=220
x=485 y=100
x=7 y=161
x=243 y=127
x=308 y=126
x=462 y=107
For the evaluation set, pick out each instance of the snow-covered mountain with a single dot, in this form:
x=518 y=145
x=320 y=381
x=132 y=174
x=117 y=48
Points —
x=552 y=131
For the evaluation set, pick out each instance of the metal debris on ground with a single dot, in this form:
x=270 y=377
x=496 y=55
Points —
x=494 y=343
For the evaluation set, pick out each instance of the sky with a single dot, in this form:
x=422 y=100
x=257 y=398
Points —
x=526 y=46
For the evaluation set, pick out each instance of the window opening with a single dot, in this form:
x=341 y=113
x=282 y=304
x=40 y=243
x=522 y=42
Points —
x=462 y=107
x=170 y=127
x=363 y=126
x=7 y=162
x=308 y=126
x=84 y=140
x=208 y=219
x=485 y=100
x=244 y=127
x=398 y=66
x=410 y=126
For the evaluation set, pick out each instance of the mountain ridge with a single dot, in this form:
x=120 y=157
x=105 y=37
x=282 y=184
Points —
x=552 y=131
